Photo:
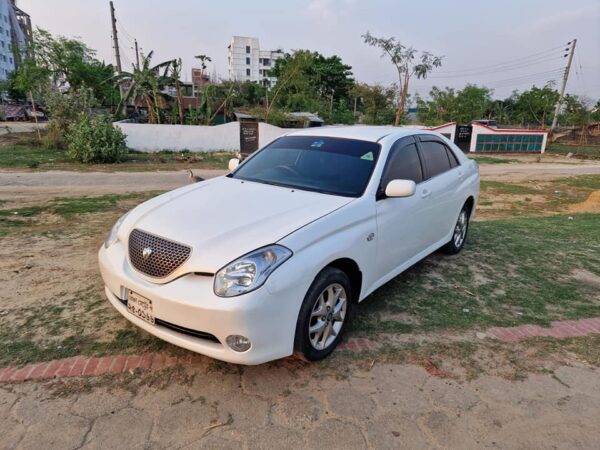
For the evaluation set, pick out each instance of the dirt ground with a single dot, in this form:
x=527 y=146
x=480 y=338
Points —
x=340 y=404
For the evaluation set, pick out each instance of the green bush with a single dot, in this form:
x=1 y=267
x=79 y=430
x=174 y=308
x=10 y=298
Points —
x=95 y=140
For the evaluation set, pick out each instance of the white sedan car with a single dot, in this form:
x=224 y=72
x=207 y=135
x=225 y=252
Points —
x=270 y=259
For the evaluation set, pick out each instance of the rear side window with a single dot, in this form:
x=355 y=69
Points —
x=404 y=164
x=452 y=157
x=436 y=158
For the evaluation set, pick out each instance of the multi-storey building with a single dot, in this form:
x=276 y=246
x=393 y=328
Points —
x=247 y=62
x=15 y=34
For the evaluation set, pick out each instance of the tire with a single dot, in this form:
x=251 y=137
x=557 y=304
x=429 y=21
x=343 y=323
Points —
x=459 y=236
x=313 y=346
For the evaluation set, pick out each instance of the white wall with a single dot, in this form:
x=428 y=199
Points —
x=479 y=129
x=197 y=138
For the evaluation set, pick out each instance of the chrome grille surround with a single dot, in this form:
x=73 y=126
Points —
x=165 y=256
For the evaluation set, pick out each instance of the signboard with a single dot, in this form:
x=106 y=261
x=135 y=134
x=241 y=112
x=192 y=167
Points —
x=248 y=138
x=463 y=137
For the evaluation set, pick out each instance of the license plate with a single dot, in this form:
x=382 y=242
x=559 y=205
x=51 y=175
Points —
x=140 y=307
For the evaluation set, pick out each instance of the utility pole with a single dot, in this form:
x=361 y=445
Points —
x=115 y=38
x=137 y=55
x=563 y=86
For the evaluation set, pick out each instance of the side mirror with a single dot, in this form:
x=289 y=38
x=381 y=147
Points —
x=400 y=188
x=233 y=163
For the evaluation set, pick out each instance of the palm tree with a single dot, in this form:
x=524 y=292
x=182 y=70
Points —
x=146 y=84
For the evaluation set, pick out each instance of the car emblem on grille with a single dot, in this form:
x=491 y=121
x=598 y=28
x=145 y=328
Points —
x=146 y=252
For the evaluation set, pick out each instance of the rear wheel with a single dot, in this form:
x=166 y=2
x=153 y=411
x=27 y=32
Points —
x=323 y=315
x=459 y=235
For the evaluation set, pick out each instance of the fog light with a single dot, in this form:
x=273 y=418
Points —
x=238 y=343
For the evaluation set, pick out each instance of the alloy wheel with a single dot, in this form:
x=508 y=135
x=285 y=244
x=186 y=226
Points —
x=327 y=316
x=460 y=230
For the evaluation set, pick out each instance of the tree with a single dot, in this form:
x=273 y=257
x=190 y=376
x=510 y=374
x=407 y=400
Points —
x=62 y=64
x=375 y=102
x=146 y=84
x=309 y=81
x=535 y=106
x=447 y=105
x=407 y=62
x=175 y=79
x=440 y=108
x=473 y=102
x=577 y=111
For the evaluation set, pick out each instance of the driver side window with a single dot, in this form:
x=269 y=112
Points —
x=403 y=164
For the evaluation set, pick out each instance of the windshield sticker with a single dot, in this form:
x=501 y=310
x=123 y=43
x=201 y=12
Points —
x=317 y=144
x=367 y=156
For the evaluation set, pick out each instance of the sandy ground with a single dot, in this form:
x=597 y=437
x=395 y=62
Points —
x=286 y=404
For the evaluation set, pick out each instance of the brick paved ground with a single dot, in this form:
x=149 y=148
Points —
x=83 y=366
x=560 y=329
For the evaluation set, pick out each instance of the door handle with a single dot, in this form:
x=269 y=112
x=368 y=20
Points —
x=425 y=193
x=460 y=174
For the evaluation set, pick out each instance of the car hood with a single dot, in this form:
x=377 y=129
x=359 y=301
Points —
x=225 y=218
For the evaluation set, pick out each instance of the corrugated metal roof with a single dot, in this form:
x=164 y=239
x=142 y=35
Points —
x=307 y=115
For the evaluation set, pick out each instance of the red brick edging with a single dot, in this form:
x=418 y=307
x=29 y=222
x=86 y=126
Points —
x=559 y=329
x=84 y=366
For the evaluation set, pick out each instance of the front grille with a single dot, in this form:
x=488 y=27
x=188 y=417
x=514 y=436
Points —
x=165 y=256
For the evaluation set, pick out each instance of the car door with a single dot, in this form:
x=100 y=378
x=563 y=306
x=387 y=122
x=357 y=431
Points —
x=399 y=220
x=439 y=193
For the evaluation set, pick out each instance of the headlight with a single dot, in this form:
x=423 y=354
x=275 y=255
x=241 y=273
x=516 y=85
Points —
x=249 y=272
x=112 y=236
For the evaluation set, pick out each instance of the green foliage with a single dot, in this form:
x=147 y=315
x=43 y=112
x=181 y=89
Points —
x=145 y=86
x=375 y=103
x=534 y=106
x=96 y=140
x=408 y=63
x=309 y=81
x=64 y=109
x=447 y=105
x=62 y=63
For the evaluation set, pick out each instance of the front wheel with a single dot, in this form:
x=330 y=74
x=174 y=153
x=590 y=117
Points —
x=460 y=232
x=323 y=315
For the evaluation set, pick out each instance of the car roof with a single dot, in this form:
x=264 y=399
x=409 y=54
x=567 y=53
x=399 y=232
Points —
x=361 y=132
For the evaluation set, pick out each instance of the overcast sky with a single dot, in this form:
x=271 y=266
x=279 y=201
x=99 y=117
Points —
x=487 y=43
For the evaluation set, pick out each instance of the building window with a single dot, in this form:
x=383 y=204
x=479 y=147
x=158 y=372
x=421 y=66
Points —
x=260 y=60
x=266 y=62
x=248 y=72
x=2 y=42
x=247 y=61
x=247 y=49
x=10 y=59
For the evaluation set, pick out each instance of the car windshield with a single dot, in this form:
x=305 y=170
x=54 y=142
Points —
x=323 y=164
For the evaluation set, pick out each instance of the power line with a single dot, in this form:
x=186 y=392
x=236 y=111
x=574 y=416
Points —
x=540 y=54
x=531 y=75
x=502 y=69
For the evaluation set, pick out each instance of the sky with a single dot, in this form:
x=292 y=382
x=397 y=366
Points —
x=505 y=45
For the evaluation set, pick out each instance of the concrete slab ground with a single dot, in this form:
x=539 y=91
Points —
x=303 y=406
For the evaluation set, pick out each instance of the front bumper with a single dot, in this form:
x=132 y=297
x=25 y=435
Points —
x=266 y=316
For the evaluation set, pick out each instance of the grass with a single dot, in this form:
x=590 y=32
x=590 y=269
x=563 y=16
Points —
x=499 y=187
x=22 y=151
x=511 y=272
x=24 y=219
x=584 y=151
x=484 y=159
